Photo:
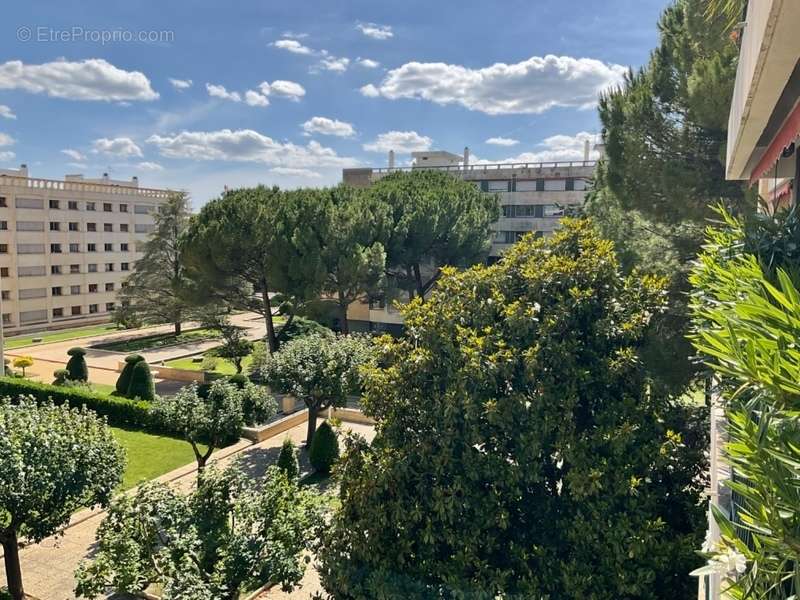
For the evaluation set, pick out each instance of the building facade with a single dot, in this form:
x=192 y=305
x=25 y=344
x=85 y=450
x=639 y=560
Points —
x=67 y=246
x=533 y=197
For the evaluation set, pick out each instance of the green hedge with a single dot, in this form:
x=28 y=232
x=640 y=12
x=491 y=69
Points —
x=119 y=411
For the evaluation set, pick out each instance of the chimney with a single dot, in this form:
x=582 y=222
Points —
x=23 y=168
x=466 y=156
x=391 y=159
x=135 y=181
x=586 y=150
x=105 y=176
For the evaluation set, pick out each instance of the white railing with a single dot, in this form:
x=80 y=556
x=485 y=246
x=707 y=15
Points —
x=490 y=167
x=36 y=183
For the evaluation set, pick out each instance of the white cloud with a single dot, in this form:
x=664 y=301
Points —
x=180 y=84
x=375 y=31
x=400 y=141
x=368 y=63
x=149 y=166
x=370 y=91
x=502 y=141
x=253 y=98
x=531 y=86
x=246 y=145
x=7 y=155
x=326 y=126
x=6 y=112
x=556 y=148
x=334 y=63
x=6 y=140
x=77 y=165
x=293 y=46
x=285 y=89
x=292 y=34
x=219 y=91
x=291 y=172
x=121 y=146
x=74 y=154
x=92 y=79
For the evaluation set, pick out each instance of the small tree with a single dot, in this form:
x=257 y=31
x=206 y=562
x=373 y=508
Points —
x=319 y=370
x=76 y=365
x=124 y=379
x=236 y=346
x=229 y=535
x=324 y=451
x=217 y=418
x=141 y=385
x=23 y=362
x=53 y=461
x=287 y=459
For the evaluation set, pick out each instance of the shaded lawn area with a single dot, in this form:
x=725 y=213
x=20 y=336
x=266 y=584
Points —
x=149 y=342
x=20 y=341
x=150 y=455
x=224 y=366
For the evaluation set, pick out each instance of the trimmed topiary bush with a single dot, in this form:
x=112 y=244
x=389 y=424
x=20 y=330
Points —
x=60 y=376
x=124 y=379
x=324 y=449
x=76 y=365
x=141 y=382
x=287 y=459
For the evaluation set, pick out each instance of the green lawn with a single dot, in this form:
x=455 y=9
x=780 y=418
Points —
x=19 y=341
x=151 y=455
x=224 y=367
x=148 y=342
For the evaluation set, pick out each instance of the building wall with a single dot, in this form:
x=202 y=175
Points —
x=62 y=262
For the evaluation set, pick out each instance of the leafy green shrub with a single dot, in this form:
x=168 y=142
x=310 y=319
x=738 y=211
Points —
x=301 y=327
x=60 y=376
x=141 y=382
x=119 y=411
x=287 y=459
x=124 y=379
x=324 y=451
x=209 y=363
x=76 y=365
x=239 y=380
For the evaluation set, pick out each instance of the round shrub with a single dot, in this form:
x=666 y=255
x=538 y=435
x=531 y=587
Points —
x=324 y=449
x=60 y=376
x=239 y=380
x=124 y=379
x=141 y=382
x=287 y=459
x=76 y=365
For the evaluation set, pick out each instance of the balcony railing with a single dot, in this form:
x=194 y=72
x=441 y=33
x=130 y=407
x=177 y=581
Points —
x=490 y=167
x=35 y=183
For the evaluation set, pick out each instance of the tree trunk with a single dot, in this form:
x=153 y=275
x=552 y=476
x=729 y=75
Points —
x=177 y=325
x=13 y=570
x=272 y=343
x=313 y=413
x=345 y=326
x=418 y=280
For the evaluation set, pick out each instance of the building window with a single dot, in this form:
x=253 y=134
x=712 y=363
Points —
x=34 y=271
x=109 y=287
x=55 y=270
x=74 y=247
x=90 y=206
x=106 y=207
x=55 y=291
x=526 y=185
x=3 y=225
x=30 y=226
x=3 y=202
x=109 y=306
x=123 y=227
x=3 y=271
x=37 y=203
x=123 y=247
x=91 y=227
x=92 y=268
x=6 y=316
x=555 y=185
x=123 y=208
x=377 y=302
x=124 y=267
x=30 y=293
x=58 y=312
x=108 y=227
x=55 y=226
x=73 y=226
x=141 y=209
x=54 y=204
x=74 y=269
x=30 y=248
x=92 y=288
x=109 y=267
x=93 y=309
x=76 y=310
x=553 y=210
x=55 y=248
x=74 y=290
x=580 y=185
x=5 y=295
x=498 y=186
x=33 y=316
x=108 y=247
x=72 y=205
x=3 y=248
x=91 y=247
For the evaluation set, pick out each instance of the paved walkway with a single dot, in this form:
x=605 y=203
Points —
x=48 y=567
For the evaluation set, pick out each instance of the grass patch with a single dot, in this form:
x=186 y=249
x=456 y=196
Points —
x=150 y=342
x=224 y=366
x=150 y=455
x=19 y=341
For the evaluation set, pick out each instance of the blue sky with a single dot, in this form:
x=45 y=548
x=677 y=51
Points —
x=288 y=93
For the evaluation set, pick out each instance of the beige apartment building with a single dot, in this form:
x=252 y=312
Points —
x=533 y=197
x=67 y=246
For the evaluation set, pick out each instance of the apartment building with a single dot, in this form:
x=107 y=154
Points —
x=67 y=246
x=533 y=197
